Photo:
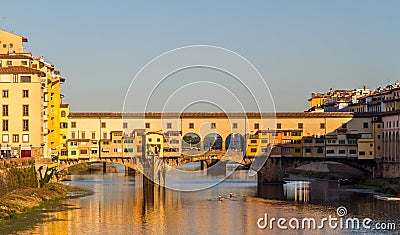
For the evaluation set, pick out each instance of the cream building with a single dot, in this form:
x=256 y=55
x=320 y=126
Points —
x=30 y=101
x=334 y=135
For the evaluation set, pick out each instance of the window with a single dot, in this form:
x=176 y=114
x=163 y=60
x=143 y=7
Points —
x=73 y=152
x=296 y=133
x=253 y=141
x=83 y=151
x=125 y=125
x=15 y=138
x=25 y=138
x=169 y=125
x=25 y=125
x=308 y=141
x=322 y=125
x=256 y=126
x=352 y=142
x=83 y=135
x=213 y=125
x=25 y=78
x=158 y=139
x=64 y=152
x=300 y=125
x=361 y=153
x=63 y=125
x=353 y=151
x=174 y=141
x=5 y=93
x=286 y=150
x=103 y=125
x=320 y=150
x=370 y=153
x=5 y=110
x=72 y=135
x=105 y=135
x=5 y=125
x=319 y=141
x=342 y=141
x=308 y=150
x=279 y=126
x=24 y=63
x=147 y=124
x=63 y=113
x=25 y=110
x=379 y=126
x=93 y=135
x=128 y=150
x=73 y=124
x=253 y=150
x=297 y=150
x=9 y=62
x=330 y=151
x=191 y=125
x=264 y=141
x=286 y=133
x=331 y=141
x=139 y=149
x=11 y=45
x=365 y=125
x=25 y=93
x=342 y=151
x=5 y=138
x=379 y=147
x=234 y=125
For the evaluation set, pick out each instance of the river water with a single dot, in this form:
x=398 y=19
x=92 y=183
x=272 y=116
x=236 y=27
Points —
x=121 y=205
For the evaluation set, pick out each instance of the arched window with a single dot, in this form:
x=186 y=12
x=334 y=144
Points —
x=63 y=114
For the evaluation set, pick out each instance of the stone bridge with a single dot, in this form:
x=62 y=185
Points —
x=275 y=168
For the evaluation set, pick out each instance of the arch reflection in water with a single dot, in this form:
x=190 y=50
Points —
x=298 y=191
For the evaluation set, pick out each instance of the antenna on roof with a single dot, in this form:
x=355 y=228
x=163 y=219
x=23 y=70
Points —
x=4 y=22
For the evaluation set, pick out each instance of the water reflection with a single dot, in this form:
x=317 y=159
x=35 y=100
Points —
x=121 y=205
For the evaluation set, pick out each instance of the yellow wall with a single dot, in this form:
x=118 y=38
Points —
x=11 y=43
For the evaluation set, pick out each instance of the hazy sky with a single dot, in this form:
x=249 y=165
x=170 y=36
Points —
x=298 y=46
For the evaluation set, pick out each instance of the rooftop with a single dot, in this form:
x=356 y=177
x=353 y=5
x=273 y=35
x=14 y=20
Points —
x=19 y=69
x=208 y=115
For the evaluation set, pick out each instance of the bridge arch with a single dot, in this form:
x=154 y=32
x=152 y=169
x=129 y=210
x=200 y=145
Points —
x=235 y=141
x=213 y=141
x=191 y=140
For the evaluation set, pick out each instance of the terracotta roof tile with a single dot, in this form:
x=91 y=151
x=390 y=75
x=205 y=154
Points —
x=208 y=115
x=15 y=56
x=19 y=69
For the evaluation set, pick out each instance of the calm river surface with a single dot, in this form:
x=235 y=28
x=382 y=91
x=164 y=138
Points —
x=121 y=205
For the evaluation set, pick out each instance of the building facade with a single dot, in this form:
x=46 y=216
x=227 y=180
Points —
x=30 y=101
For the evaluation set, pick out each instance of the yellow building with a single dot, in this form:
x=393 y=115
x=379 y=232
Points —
x=22 y=116
x=31 y=95
x=154 y=144
x=64 y=112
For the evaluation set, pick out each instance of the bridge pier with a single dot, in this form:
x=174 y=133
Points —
x=271 y=172
x=203 y=165
x=104 y=167
x=129 y=171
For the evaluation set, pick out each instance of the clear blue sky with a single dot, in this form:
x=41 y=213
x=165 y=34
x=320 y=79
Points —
x=298 y=46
